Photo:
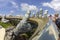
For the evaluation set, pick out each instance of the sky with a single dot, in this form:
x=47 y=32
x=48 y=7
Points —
x=19 y=7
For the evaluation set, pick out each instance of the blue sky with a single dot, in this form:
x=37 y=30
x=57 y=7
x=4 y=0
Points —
x=15 y=6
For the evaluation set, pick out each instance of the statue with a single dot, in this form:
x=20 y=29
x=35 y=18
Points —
x=22 y=27
x=41 y=12
x=33 y=15
x=45 y=13
x=37 y=14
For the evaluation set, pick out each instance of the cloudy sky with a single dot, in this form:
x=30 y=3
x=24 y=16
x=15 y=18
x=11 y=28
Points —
x=16 y=7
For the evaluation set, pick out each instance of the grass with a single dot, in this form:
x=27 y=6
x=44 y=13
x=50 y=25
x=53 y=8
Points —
x=5 y=25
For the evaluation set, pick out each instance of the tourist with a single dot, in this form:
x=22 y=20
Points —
x=56 y=19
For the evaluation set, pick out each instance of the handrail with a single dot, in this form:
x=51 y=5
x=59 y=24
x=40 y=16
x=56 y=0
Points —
x=47 y=27
x=41 y=25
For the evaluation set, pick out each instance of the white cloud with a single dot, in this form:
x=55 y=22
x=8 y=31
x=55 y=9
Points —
x=14 y=4
x=25 y=6
x=4 y=3
x=54 y=4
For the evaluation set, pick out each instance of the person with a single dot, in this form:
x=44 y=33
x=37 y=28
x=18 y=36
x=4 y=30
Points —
x=56 y=19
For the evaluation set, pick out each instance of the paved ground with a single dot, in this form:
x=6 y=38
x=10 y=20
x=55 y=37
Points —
x=2 y=33
x=49 y=33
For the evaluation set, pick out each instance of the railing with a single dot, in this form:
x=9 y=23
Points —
x=50 y=32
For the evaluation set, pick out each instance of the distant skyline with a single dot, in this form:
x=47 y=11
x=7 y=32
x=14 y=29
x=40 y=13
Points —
x=18 y=7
